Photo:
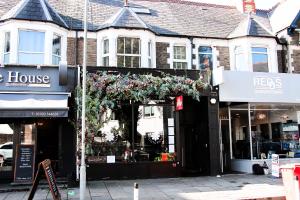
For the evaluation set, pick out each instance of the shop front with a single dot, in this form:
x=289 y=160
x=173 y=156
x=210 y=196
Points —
x=259 y=118
x=163 y=136
x=34 y=121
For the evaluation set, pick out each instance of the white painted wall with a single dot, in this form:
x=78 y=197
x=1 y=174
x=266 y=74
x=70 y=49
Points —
x=13 y=26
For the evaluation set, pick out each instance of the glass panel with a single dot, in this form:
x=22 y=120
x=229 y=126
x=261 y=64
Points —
x=6 y=58
x=240 y=134
x=179 y=52
x=120 y=44
x=120 y=61
x=6 y=146
x=56 y=60
x=260 y=62
x=128 y=60
x=56 y=45
x=203 y=49
x=7 y=42
x=154 y=137
x=128 y=46
x=28 y=132
x=106 y=61
x=31 y=41
x=27 y=58
x=136 y=61
x=136 y=46
x=259 y=50
x=106 y=46
x=275 y=130
x=149 y=48
x=180 y=65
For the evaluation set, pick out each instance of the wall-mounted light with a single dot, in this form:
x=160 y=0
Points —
x=213 y=100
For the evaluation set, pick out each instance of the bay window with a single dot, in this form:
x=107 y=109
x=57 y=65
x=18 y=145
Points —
x=128 y=52
x=179 y=59
x=239 y=58
x=105 y=56
x=7 y=47
x=56 y=49
x=260 y=59
x=31 y=47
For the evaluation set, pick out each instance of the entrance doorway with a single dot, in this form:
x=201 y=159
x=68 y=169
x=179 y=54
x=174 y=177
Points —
x=194 y=138
x=225 y=145
x=48 y=143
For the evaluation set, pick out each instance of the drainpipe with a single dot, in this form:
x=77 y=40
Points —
x=76 y=48
x=283 y=42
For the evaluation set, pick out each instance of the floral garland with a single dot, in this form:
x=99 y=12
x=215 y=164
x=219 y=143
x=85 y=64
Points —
x=107 y=91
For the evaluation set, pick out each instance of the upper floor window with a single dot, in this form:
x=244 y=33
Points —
x=260 y=59
x=128 y=52
x=149 y=54
x=105 y=56
x=148 y=111
x=239 y=58
x=179 y=60
x=56 y=49
x=7 y=47
x=205 y=58
x=31 y=47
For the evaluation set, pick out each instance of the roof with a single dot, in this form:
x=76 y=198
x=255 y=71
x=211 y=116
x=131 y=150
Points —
x=36 y=10
x=294 y=24
x=167 y=17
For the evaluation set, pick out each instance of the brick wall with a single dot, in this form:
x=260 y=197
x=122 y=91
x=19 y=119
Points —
x=296 y=60
x=223 y=57
x=91 y=51
x=162 y=55
x=281 y=55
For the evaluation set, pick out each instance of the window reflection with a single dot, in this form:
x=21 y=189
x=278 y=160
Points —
x=6 y=147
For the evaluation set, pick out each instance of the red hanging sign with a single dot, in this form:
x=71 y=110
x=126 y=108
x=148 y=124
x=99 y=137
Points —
x=179 y=103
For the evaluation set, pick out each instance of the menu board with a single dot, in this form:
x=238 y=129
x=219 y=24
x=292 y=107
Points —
x=24 y=165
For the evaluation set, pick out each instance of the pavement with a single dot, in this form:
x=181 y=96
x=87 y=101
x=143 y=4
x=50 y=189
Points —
x=226 y=187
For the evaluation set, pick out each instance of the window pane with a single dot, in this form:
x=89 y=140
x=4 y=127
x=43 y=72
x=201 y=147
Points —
x=27 y=58
x=203 y=49
x=7 y=42
x=55 y=60
x=120 y=61
x=136 y=61
x=128 y=45
x=128 y=60
x=120 y=44
x=260 y=62
x=106 y=46
x=149 y=48
x=6 y=58
x=179 y=52
x=205 y=61
x=6 y=146
x=259 y=50
x=31 y=41
x=106 y=61
x=180 y=65
x=136 y=46
x=56 y=48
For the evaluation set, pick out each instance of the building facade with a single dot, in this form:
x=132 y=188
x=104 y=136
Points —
x=230 y=128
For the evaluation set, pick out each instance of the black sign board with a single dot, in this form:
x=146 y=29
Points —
x=46 y=166
x=24 y=163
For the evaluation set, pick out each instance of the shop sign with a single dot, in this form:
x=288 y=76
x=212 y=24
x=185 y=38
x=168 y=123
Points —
x=24 y=167
x=264 y=84
x=16 y=78
x=179 y=103
x=275 y=165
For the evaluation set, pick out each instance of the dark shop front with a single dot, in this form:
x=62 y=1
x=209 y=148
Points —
x=163 y=137
x=34 y=121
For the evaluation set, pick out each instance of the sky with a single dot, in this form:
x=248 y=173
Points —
x=260 y=4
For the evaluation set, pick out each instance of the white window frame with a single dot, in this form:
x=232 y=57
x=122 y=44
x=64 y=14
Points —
x=176 y=60
x=105 y=55
x=241 y=52
x=55 y=55
x=30 y=52
x=4 y=48
x=129 y=55
x=253 y=52
x=152 y=113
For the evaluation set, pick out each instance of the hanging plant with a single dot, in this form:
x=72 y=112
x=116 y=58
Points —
x=107 y=91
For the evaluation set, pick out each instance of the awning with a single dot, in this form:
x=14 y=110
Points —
x=33 y=104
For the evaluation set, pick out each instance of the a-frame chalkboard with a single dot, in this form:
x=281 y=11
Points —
x=46 y=166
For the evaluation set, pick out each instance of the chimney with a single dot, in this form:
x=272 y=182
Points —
x=246 y=6
x=125 y=2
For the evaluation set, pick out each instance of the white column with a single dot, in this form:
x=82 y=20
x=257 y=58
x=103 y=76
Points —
x=64 y=44
x=2 y=38
x=14 y=46
x=48 y=48
x=112 y=50
x=144 y=51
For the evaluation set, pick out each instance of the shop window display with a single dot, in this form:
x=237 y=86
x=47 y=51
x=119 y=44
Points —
x=131 y=134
